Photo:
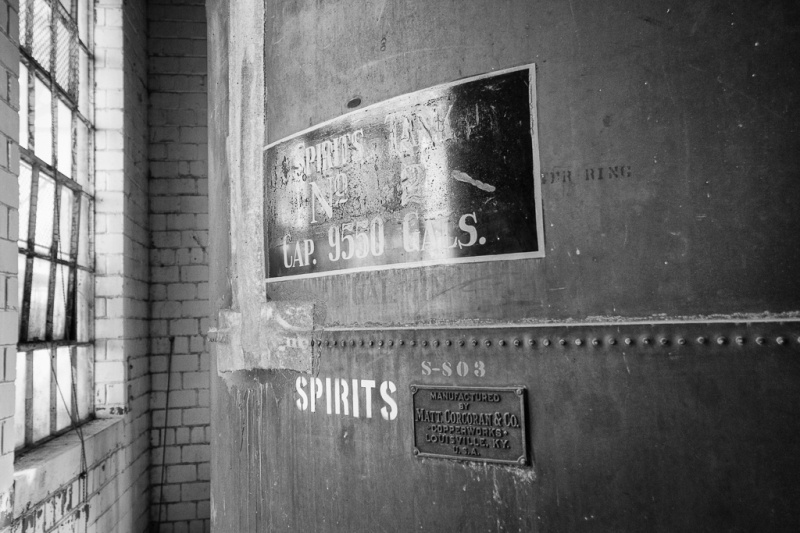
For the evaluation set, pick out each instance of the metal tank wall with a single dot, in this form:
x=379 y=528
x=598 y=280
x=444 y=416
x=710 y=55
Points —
x=658 y=339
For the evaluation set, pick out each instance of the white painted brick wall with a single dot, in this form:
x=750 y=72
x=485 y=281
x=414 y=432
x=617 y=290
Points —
x=179 y=264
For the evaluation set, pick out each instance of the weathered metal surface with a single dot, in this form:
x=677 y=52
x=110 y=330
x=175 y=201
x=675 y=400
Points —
x=448 y=174
x=689 y=110
x=284 y=333
x=668 y=154
x=483 y=424
x=647 y=427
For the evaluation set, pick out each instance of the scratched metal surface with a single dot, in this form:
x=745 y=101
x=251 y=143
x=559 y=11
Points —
x=694 y=104
x=655 y=435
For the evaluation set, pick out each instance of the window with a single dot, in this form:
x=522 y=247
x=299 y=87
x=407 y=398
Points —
x=56 y=265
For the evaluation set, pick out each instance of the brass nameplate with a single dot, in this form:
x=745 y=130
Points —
x=485 y=424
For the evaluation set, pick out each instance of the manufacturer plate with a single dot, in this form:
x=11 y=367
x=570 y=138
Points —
x=484 y=424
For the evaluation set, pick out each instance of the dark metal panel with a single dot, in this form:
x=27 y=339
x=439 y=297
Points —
x=668 y=148
x=663 y=427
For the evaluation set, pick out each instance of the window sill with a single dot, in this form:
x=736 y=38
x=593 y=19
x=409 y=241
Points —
x=46 y=468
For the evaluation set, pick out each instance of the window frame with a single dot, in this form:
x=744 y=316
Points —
x=72 y=265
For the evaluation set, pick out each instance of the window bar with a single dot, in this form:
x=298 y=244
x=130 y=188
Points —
x=51 y=291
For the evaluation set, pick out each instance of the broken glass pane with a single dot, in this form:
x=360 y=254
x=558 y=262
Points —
x=42 y=16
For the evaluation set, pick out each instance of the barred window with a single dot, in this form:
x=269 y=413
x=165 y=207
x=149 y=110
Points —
x=56 y=260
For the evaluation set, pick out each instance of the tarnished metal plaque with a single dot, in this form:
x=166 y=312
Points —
x=443 y=175
x=470 y=423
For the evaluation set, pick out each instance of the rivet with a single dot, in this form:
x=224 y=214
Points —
x=401 y=342
x=361 y=342
x=502 y=343
x=531 y=342
x=760 y=340
x=461 y=342
x=319 y=342
x=721 y=340
x=487 y=342
x=371 y=343
x=628 y=341
x=664 y=341
x=380 y=343
x=646 y=340
x=701 y=340
x=391 y=343
x=681 y=341
x=578 y=342
x=516 y=342
x=612 y=341
x=595 y=342
x=780 y=340
x=436 y=343
x=474 y=342
x=546 y=342
x=740 y=340
x=424 y=343
x=328 y=343
x=562 y=342
x=448 y=342
x=413 y=343
x=352 y=343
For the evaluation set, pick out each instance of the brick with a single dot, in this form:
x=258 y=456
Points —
x=196 y=453
x=181 y=473
x=196 y=416
x=181 y=511
x=185 y=363
x=184 y=326
x=195 y=491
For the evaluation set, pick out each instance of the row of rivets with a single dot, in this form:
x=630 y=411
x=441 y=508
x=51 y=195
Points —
x=611 y=341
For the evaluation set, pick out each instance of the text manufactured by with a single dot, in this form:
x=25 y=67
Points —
x=470 y=423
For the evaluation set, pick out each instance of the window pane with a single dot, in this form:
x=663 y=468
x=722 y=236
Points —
x=60 y=302
x=83 y=21
x=21 y=393
x=43 y=123
x=23 y=106
x=41 y=394
x=84 y=304
x=84 y=381
x=64 y=139
x=63 y=41
x=42 y=16
x=83 y=154
x=83 y=84
x=45 y=209
x=63 y=387
x=85 y=225
x=66 y=217
x=23 y=23
x=24 y=203
x=37 y=319
x=22 y=263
